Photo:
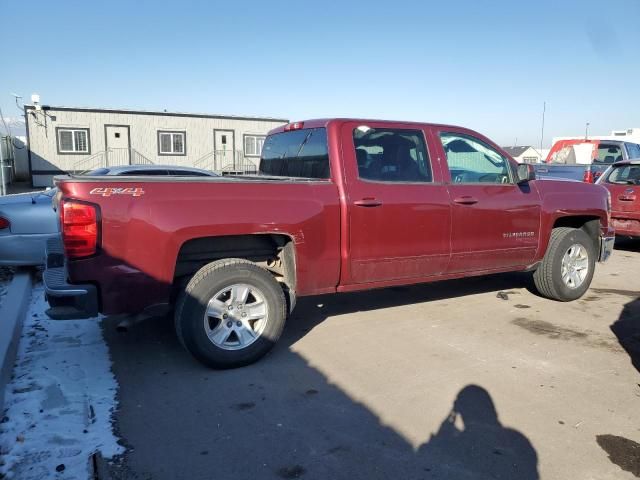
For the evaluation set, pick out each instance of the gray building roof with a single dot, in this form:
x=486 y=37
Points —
x=155 y=112
x=516 y=151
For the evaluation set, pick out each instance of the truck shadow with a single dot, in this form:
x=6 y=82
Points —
x=284 y=418
x=627 y=244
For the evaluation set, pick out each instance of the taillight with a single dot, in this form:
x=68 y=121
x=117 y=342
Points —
x=588 y=176
x=80 y=229
x=4 y=223
x=293 y=126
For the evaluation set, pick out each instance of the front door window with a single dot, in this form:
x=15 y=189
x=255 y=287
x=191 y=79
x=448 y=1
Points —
x=472 y=161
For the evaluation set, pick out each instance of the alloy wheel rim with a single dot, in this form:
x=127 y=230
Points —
x=236 y=316
x=575 y=266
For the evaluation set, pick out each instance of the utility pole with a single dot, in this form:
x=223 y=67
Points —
x=586 y=131
x=544 y=109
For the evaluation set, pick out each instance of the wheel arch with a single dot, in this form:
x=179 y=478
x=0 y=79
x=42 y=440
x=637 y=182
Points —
x=275 y=252
x=589 y=223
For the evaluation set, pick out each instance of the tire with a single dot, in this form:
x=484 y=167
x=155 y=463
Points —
x=211 y=309
x=548 y=278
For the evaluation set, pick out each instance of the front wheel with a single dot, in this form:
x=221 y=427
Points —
x=568 y=265
x=230 y=314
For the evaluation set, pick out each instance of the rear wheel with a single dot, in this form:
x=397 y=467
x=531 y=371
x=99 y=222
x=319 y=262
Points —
x=568 y=266
x=230 y=314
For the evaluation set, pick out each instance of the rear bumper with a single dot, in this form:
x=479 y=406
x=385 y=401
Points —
x=606 y=245
x=67 y=301
x=24 y=249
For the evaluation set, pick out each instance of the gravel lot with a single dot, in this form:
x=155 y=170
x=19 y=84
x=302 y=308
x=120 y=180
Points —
x=478 y=378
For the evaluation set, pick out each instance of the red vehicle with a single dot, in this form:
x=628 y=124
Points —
x=339 y=205
x=623 y=182
x=584 y=159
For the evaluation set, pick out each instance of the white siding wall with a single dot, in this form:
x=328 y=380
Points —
x=532 y=153
x=143 y=133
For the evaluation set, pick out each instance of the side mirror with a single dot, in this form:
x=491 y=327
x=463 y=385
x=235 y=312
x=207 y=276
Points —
x=526 y=173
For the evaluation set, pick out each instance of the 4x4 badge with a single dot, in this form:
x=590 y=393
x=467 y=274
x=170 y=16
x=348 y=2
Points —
x=108 y=191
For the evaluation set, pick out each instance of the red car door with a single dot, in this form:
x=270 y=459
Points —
x=398 y=209
x=623 y=182
x=495 y=223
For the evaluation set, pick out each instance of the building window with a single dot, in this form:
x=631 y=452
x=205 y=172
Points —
x=73 y=140
x=253 y=145
x=172 y=143
x=530 y=159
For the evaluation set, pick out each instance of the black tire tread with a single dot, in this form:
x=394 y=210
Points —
x=543 y=276
x=202 y=275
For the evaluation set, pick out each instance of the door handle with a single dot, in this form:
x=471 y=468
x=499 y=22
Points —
x=465 y=200
x=368 y=202
x=627 y=198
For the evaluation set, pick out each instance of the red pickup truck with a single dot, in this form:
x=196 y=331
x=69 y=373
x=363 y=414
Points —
x=338 y=205
x=622 y=180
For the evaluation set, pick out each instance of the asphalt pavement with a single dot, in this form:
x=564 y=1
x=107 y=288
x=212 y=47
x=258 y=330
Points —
x=468 y=379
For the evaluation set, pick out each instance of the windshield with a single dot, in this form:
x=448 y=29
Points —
x=297 y=153
x=625 y=175
x=96 y=172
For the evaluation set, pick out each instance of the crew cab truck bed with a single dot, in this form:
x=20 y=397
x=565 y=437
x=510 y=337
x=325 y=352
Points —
x=339 y=205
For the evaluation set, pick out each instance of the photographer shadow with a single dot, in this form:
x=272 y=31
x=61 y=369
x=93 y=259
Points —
x=472 y=443
x=627 y=329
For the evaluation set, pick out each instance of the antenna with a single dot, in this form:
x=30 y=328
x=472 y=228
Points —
x=35 y=99
x=544 y=109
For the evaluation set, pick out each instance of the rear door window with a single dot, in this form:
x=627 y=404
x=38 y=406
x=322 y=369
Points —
x=391 y=155
x=608 y=153
x=298 y=153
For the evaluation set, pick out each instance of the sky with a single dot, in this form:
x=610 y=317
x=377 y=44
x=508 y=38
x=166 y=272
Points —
x=486 y=65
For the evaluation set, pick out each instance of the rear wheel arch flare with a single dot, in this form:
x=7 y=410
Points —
x=274 y=251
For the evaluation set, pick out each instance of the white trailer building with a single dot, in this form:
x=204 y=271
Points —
x=70 y=139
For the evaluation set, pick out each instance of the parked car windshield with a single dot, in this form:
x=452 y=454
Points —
x=297 y=153
x=626 y=174
x=96 y=172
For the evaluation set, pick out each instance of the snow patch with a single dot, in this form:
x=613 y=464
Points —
x=60 y=401
x=6 y=274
